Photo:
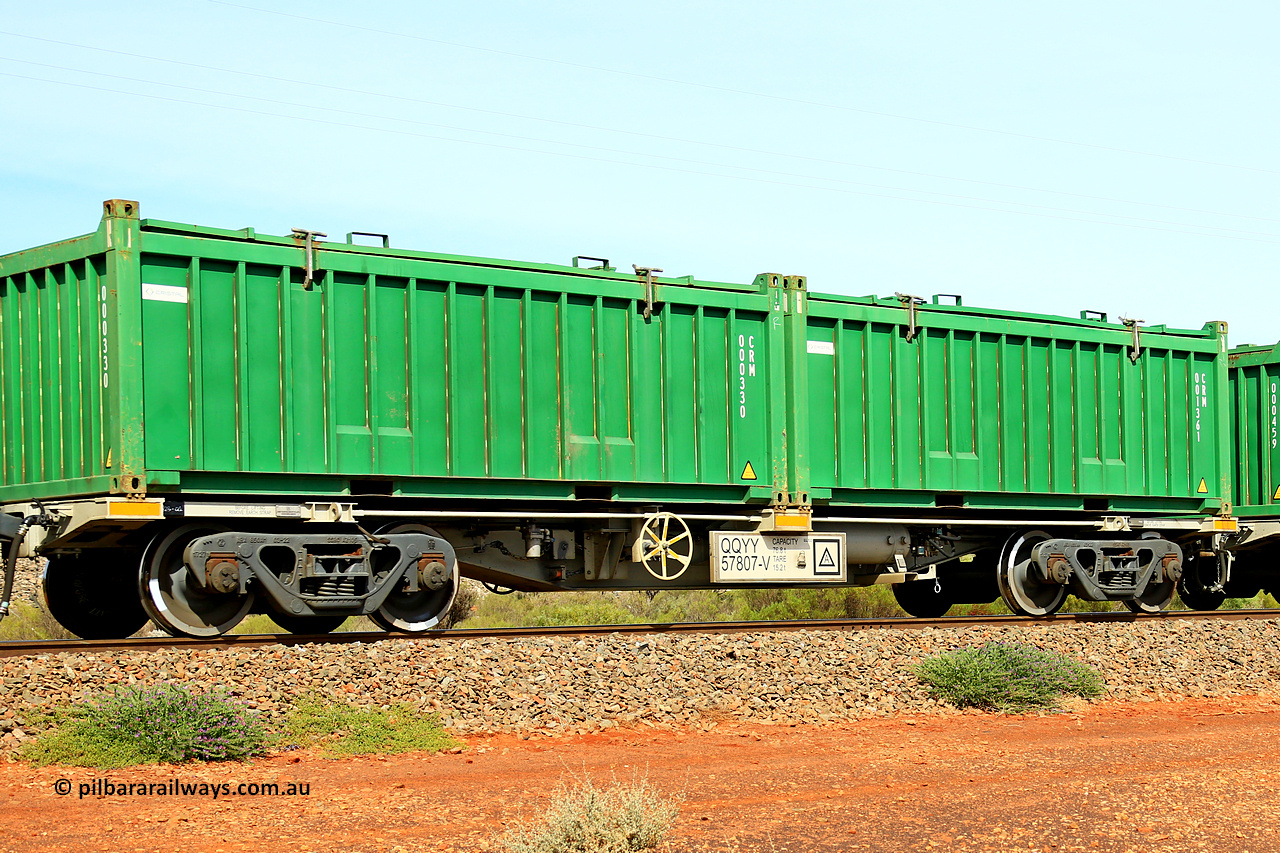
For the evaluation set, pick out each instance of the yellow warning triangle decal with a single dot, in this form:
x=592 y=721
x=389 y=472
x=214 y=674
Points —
x=1276 y=496
x=1203 y=488
x=748 y=473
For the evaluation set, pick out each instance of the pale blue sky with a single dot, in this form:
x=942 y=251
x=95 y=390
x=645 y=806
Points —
x=1104 y=155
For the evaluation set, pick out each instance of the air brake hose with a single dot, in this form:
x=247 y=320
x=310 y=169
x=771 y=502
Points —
x=10 y=567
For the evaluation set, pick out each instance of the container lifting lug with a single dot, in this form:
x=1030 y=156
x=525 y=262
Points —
x=647 y=272
x=309 y=253
x=910 y=302
x=1137 y=344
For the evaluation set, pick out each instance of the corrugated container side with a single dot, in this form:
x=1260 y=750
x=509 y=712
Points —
x=56 y=403
x=449 y=378
x=202 y=360
x=1255 y=380
x=979 y=407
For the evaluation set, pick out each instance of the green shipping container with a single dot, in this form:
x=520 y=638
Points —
x=158 y=357
x=1255 y=378
x=915 y=404
x=249 y=385
x=152 y=356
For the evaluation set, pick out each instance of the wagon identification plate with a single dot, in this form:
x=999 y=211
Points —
x=770 y=558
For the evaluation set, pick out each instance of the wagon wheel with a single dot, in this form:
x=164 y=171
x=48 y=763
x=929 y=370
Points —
x=175 y=600
x=94 y=596
x=1020 y=584
x=423 y=610
x=666 y=546
x=1156 y=597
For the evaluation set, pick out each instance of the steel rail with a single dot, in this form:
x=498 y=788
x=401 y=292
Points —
x=18 y=648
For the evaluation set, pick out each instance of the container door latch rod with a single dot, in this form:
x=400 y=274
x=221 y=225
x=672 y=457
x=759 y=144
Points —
x=309 y=253
x=1137 y=343
x=910 y=302
x=647 y=272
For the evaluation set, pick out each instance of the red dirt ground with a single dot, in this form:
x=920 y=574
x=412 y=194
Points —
x=1178 y=776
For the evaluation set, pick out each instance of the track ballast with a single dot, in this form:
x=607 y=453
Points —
x=18 y=648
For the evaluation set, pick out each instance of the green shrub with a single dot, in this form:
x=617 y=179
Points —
x=1007 y=677
x=166 y=724
x=346 y=730
x=587 y=819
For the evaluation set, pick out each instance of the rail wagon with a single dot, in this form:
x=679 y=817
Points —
x=199 y=423
x=1252 y=562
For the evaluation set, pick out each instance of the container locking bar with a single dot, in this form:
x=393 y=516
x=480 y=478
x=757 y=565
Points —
x=309 y=253
x=1137 y=343
x=647 y=272
x=910 y=302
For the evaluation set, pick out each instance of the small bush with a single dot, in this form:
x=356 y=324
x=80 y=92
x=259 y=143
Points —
x=166 y=724
x=345 y=730
x=587 y=819
x=1007 y=677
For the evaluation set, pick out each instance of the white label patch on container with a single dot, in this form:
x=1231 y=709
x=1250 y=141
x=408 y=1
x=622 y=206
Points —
x=164 y=293
x=822 y=347
x=770 y=558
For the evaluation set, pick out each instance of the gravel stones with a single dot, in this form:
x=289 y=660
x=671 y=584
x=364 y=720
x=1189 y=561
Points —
x=563 y=684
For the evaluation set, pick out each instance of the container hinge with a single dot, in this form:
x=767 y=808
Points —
x=1137 y=343
x=647 y=272
x=309 y=253
x=910 y=302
